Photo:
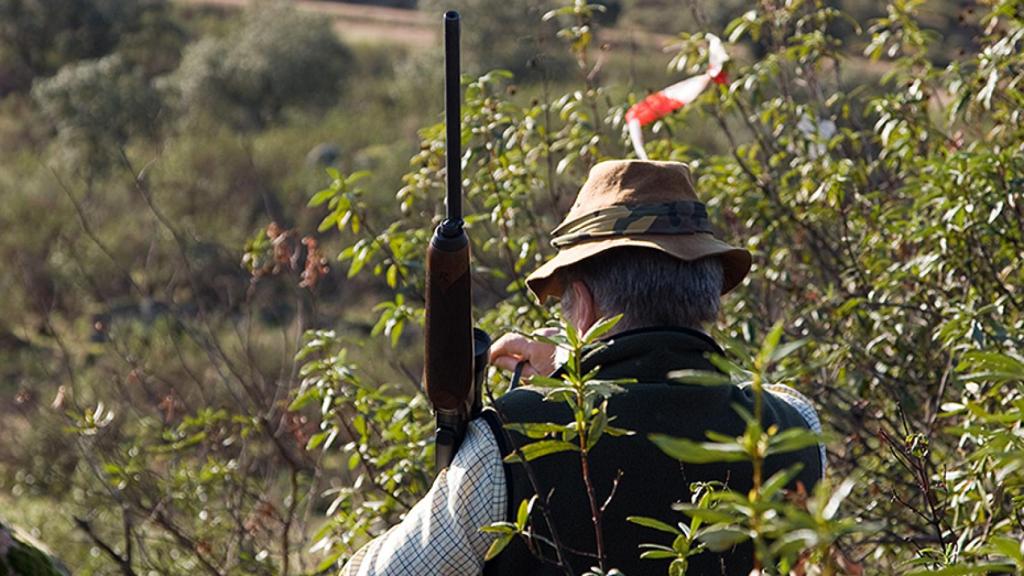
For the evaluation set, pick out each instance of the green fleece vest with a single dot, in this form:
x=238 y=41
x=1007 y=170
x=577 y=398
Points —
x=650 y=481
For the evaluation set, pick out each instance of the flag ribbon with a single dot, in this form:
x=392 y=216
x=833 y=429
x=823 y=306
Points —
x=665 y=101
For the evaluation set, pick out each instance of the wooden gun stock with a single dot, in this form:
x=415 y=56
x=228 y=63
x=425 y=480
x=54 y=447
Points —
x=448 y=379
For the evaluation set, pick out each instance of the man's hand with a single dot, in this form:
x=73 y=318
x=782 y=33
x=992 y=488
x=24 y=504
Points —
x=511 y=349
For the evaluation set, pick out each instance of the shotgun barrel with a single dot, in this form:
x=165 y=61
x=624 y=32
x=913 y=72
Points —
x=448 y=372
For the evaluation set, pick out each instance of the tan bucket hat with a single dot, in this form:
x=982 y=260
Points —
x=636 y=203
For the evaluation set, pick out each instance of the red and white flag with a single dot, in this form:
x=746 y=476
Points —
x=667 y=100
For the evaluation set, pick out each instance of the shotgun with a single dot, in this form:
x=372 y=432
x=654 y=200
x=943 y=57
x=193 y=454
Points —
x=456 y=353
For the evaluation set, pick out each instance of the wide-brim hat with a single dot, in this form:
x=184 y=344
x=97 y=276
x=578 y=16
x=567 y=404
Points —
x=642 y=204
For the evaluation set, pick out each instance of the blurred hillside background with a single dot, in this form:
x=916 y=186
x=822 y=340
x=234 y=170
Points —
x=157 y=159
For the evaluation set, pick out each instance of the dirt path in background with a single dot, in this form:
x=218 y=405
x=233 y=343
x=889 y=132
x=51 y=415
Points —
x=358 y=22
x=379 y=24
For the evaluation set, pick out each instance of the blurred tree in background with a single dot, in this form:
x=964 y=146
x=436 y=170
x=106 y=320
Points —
x=38 y=38
x=194 y=382
x=277 y=58
x=97 y=105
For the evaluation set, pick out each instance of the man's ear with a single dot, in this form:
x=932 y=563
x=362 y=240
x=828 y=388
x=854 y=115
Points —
x=584 y=308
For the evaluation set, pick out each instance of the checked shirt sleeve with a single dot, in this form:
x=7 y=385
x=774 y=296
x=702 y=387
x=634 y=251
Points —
x=441 y=534
x=802 y=405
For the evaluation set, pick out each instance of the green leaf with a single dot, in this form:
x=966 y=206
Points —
x=356 y=177
x=794 y=541
x=563 y=394
x=395 y=327
x=329 y=562
x=523 y=514
x=596 y=428
x=704 y=514
x=497 y=546
x=780 y=480
x=700 y=377
x=572 y=335
x=600 y=328
x=303 y=399
x=686 y=450
x=653 y=523
x=546 y=382
x=316 y=440
x=535 y=429
x=726 y=366
x=604 y=388
x=499 y=528
x=792 y=439
x=328 y=221
x=771 y=341
x=359 y=423
x=722 y=538
x=542 y=448
x=992 y=366
x=787 y=349
x=554 y=340
x=681 y=545
x=1009 y=547
x=359 y=259
x=657 y=554
x=837 y=497
x=615 y=431
x=321 y=197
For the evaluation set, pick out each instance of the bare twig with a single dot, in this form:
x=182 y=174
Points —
x=123 y=561
x=87 y=228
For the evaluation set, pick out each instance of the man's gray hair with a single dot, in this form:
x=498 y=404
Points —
x=649 y=288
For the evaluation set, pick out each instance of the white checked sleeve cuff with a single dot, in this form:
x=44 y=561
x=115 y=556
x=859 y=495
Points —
x=441 y=534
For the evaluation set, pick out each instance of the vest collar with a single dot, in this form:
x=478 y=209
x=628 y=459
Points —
x=650 y=354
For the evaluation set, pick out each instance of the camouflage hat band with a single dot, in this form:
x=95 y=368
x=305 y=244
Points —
x=670 y=218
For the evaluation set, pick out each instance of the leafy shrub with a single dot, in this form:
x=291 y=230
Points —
x=277 y=59
x=38 y=38
x=96 y=106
